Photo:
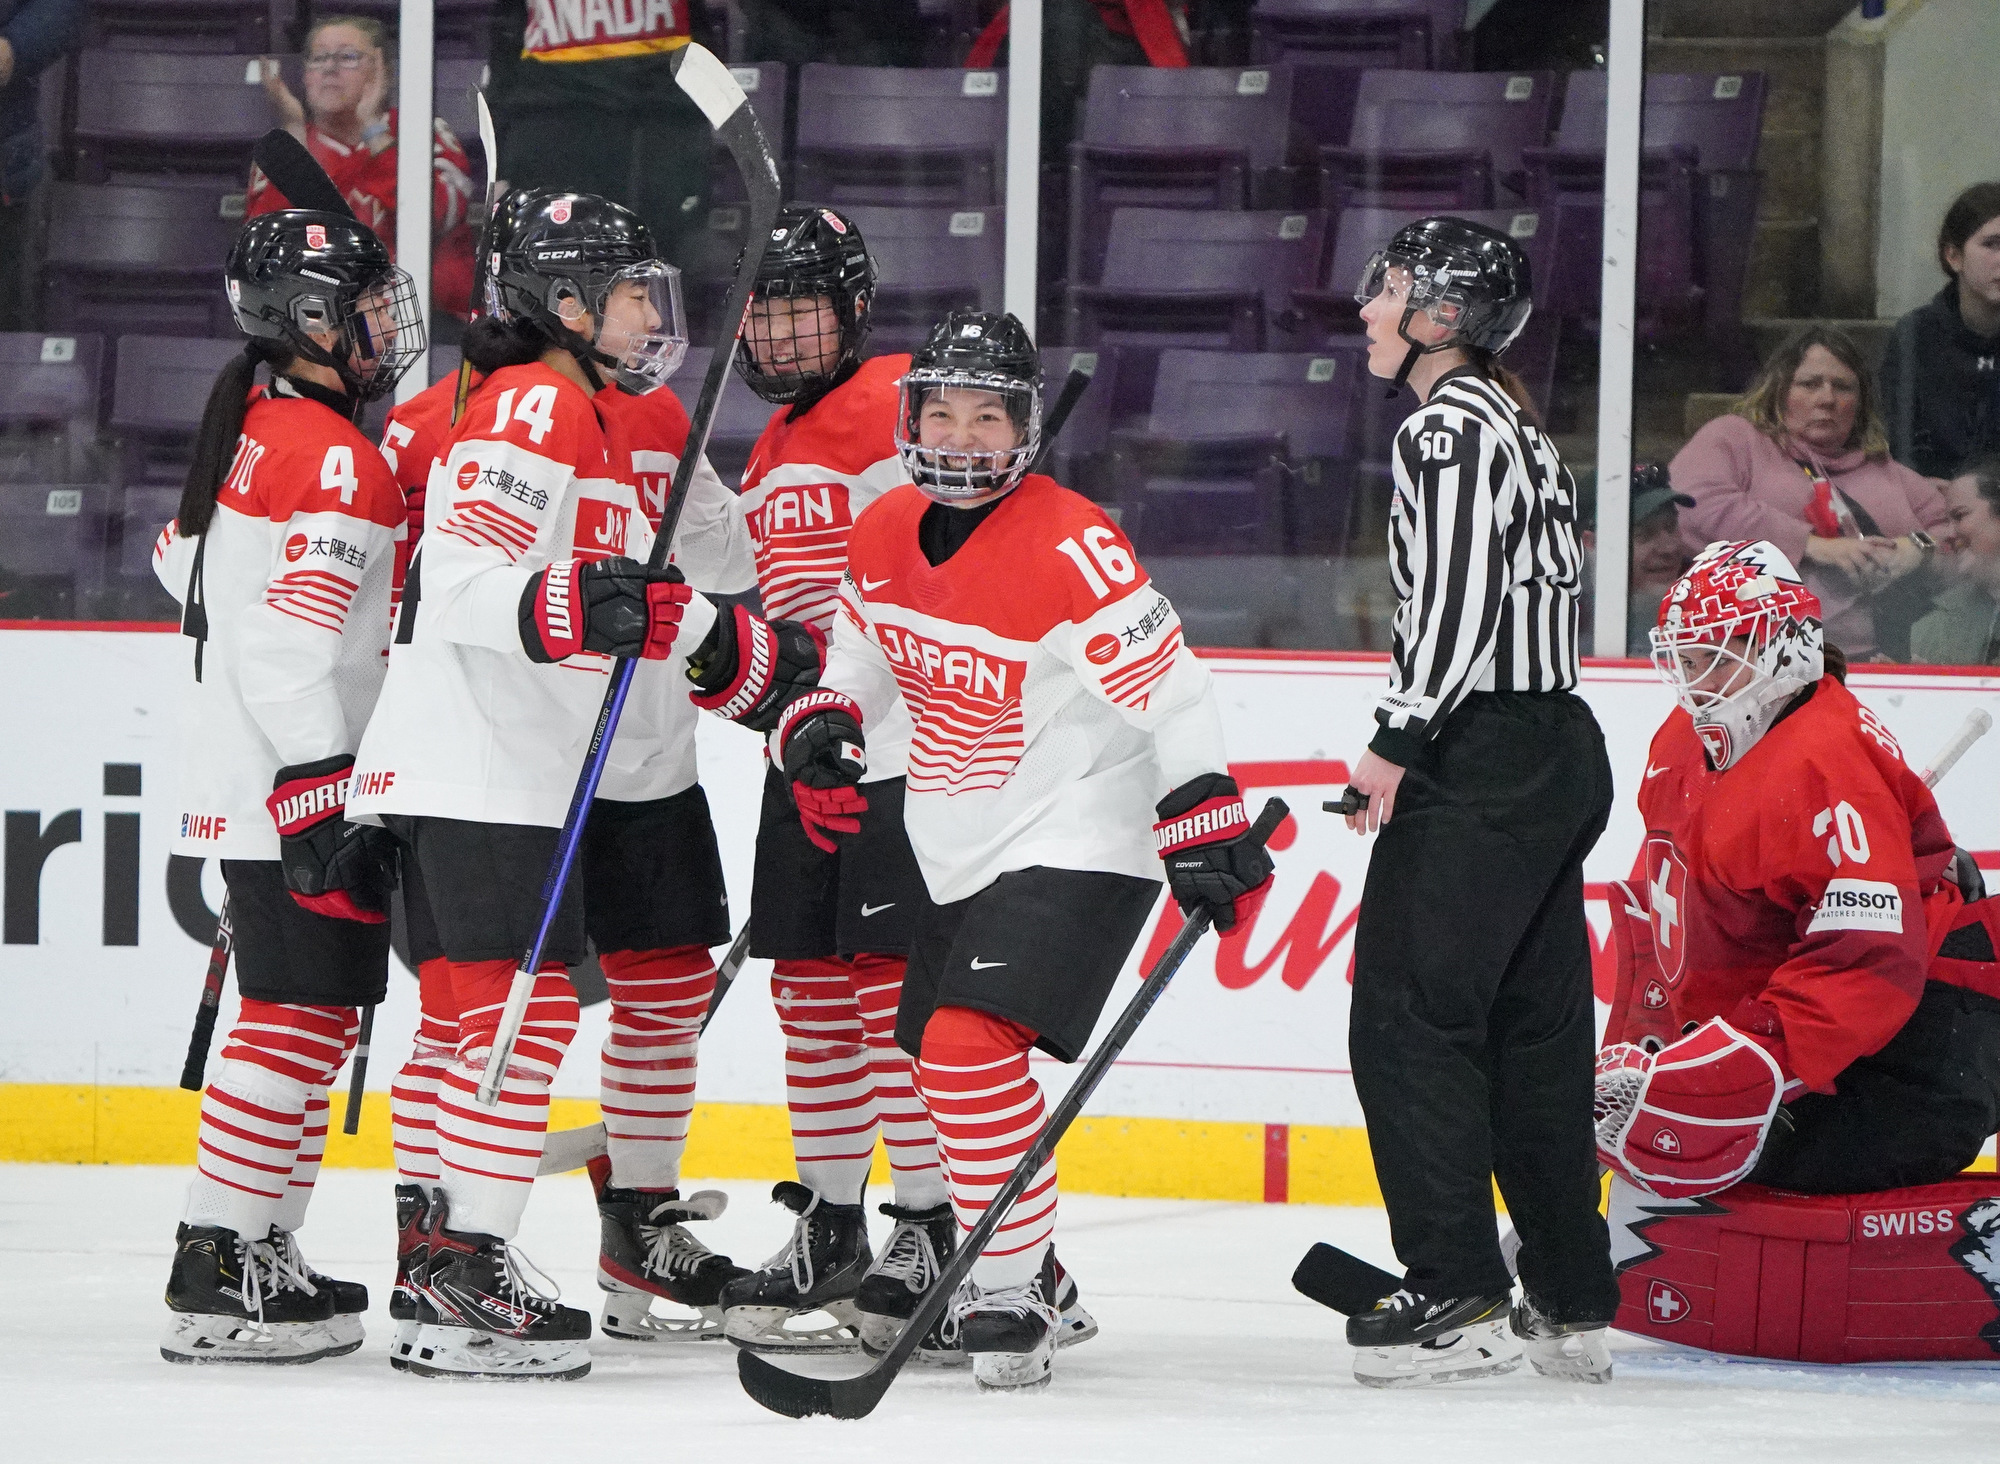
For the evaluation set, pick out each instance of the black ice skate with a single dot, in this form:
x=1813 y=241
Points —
x=820 y=1269
x=412 y=1250
x=350 y=1298
x=918 y=1247
x=478 y=1317
x=1573 y=1352
x=240 y=1301
x=646 y=1251
x=1010 y=1332
x=1408 y=1339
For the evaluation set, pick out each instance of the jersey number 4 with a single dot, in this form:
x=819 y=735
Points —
x=336 y=473
x=1106 y=555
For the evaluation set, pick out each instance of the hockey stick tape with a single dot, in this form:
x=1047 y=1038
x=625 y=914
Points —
x=708 y=83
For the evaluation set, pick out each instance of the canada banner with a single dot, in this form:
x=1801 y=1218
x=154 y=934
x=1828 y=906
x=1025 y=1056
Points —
x=105 y=937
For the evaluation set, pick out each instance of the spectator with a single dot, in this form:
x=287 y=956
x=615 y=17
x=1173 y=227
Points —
x=1803 y=462
x=1659 y=555
x=33 y=35
x=1964 y=629
x=1078 y=35
x=347 y=124
x=1941 y=370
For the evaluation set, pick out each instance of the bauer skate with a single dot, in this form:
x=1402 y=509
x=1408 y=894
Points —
x=941 y=1348
x=239 y=1301
x=646 y=1251
x=350 y=1298
x=918 y=1247
x=1010 y=1332
x=477 y=1317
x=1573 y=1352
x=1408 y=1339
x=819 y=1270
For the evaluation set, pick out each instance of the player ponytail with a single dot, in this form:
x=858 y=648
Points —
x=491 y=343
x=1487 y=365
x=221 y=425
x=1836 y=661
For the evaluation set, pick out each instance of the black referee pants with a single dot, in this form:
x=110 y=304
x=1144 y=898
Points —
x=1472 y=1034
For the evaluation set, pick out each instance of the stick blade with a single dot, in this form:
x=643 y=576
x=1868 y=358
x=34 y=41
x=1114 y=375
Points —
x=297 y=174
x=1342 y=1282
x=797 y=1396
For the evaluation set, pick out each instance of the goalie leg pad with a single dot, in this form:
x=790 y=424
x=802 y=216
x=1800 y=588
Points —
x=1690 y=1119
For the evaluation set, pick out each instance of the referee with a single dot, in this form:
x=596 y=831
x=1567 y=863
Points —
x=1472 y=1031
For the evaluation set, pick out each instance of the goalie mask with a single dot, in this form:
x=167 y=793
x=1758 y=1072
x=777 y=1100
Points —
x=1469 y=278
x=1739 y=636
x=299 y=274
x=583 y=269
x=971 y=418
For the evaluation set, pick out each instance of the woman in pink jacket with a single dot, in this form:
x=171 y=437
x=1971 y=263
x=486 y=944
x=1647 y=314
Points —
x=1803 y=462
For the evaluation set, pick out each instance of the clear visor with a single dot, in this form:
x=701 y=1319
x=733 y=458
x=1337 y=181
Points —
x=792 y=337
x=1413 y=284
x=641 y=325
x=383 y=329
x=966 y=435
x=1709 y=667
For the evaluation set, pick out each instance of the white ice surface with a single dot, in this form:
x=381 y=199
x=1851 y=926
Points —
x=1206 y=1354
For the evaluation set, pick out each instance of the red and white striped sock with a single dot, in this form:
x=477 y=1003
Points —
x=305 y=1164
x=413 y=1097
x=827 y=1083
x=974 y=1075
x=907 y=1133
x=253 y=1114
x=647 y=1076
x=487 y=1156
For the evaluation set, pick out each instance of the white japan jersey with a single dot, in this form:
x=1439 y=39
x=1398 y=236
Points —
x=294 y=583
x=468 y=727
x=806 y=483
x=1053 y=700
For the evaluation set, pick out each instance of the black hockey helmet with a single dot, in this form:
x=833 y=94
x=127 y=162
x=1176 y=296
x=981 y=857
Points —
x=814 y=251
x=972 y=350
x=1466 y=276
x=558 y=256
x=300 y=273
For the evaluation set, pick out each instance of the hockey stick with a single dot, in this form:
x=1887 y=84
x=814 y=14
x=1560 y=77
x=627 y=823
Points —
x=1346 y=1283
x=799 y=1396
x=358 y=1078
x=1065 y=403
x=567 y=1149
x=297 y=174
x=489 y=143
x=211 y=999
x=710 y=86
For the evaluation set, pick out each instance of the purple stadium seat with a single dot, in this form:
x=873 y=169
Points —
x=460 y=25
x=1409 y=34
x=1324 y=95
x=890 y=135
x=1436 y=139
x=197 y=115
x=1075 y=457
x=127 y=258
x=740 y=419
x=1212 y=137
x=1209 y=273
x=950 y=27
x=48 y=403
x=226 y=27
x=53 y=539
x=159 y=391
x=453 y=82
x=1202 y=495
x=1719 y=116
x=932 y=260
x=764 y=87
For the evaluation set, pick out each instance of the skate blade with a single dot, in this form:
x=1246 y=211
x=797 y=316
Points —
x=345 y=1333
x=764 y=1329
x=1483 y=1350
x=1580 y=1357
x=629 y=1317
x=1077 y=1325
x=1013 y=1372
x=200 y=1338
x=432 y=1351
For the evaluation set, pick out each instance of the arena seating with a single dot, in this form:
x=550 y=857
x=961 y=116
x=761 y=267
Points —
x=931 y=260
x=236 y=27
x=1432 y=140
x=883 y=135
x=191 y=115
x=1076 y=457
x=460 y=25
x=739 y=420
x=49 y=392
x=1402 y=33
x=765 y=87
x=53 y=539
x=123 y=258
x=160 y=388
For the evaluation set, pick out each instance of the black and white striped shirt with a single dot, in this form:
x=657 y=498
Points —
x=1484 y=556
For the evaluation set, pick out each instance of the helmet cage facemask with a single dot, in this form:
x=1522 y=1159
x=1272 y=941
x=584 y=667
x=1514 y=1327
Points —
x=360 y=318
x=786 y=385
x=955 y=475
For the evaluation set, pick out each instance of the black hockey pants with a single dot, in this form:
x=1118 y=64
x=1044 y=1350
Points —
x=1472 y=1032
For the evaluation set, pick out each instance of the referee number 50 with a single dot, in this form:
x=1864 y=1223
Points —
x=1106 y=554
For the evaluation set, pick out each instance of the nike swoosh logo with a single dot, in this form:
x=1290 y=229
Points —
x=867 y=910
x=1655 y=772
x=979 y=965
x=868 y=584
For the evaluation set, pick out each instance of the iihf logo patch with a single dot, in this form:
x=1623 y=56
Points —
x=559 y=211
x=315 y=236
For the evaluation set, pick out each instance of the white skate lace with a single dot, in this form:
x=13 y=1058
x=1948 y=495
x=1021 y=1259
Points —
x=527 y=1295
x=1401 y=1299
x=269 y=1266
x=671 y=1251
x=796 y=1254
x=910 y=1257
x=1025 y=1299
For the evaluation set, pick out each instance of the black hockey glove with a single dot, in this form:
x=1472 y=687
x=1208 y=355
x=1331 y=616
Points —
x=616 y=607
x=820 y=748
x=1203 y=837
x=332 y=867
x=749 y=669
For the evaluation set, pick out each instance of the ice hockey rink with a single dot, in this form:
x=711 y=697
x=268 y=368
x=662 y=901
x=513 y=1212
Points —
x=1206 y=1353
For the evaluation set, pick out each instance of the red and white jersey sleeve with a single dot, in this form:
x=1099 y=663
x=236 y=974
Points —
x=469 y=727
x=1053 y=702
x=295 y=586
x=1797 y=894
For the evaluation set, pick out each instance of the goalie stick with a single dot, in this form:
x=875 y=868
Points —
x=709 y=85
x=799 y=1396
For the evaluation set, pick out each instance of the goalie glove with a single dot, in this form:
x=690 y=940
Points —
x=332 y=867
x=818 y=744
x=749 y=669
x=616 y=607
x=1203 y=838
x=1689 y=1119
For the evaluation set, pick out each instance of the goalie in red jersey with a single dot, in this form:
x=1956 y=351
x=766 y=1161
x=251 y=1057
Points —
x=1831 y=1002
